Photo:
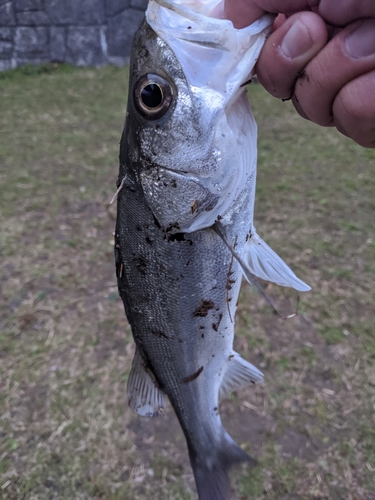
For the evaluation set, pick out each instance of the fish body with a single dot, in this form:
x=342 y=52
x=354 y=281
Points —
x=181 y=311
x=187 y=162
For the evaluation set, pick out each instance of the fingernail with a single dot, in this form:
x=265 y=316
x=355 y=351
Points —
x=361 y=42
x=297 y=41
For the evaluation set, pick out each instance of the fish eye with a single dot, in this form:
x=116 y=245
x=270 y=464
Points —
x=152 y=96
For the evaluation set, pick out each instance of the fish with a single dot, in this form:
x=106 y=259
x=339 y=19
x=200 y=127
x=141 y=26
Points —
x=184 y=235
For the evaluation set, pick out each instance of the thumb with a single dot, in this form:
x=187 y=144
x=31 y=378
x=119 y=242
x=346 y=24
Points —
x=288 y=50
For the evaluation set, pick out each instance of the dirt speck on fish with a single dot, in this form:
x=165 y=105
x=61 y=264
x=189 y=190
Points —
x=186 y=197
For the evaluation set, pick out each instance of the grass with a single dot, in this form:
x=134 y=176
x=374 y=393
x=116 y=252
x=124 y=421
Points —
x=65 y=346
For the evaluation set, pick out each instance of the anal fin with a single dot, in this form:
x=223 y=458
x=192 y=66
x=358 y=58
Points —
x=239 y=373
x=144 y=395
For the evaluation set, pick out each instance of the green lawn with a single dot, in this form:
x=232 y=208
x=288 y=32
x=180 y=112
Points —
x=65 y=346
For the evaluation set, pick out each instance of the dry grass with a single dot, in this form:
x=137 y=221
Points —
x=65 y=346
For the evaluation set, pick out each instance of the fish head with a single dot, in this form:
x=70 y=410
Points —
x=172 y=124
x=186 y=124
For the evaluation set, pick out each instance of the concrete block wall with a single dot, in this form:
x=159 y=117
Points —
x=79 y=32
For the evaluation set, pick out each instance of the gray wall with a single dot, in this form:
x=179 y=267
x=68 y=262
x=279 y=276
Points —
x=79 y=32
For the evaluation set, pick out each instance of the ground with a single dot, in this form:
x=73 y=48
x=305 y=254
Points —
x=65 y=347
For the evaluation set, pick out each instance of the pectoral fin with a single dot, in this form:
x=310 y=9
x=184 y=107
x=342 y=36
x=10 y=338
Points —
x=261 y=262
x=264 y=263
x=239 y=373
x=144 y=395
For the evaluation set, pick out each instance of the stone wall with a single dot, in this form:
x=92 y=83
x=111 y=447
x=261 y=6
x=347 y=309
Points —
x=79 y=32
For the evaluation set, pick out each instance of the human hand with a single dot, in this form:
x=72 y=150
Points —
x=321 y=54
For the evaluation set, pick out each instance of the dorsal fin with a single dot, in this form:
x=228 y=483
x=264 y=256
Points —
x=144 y=395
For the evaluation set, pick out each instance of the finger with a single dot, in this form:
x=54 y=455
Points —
x=279 y=21
x=347 y=56
x=244 y=12
x=354 y=110
x=288 y=50
x=347 y=12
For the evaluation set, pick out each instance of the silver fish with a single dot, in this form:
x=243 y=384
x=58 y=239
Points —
x=184 y=233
